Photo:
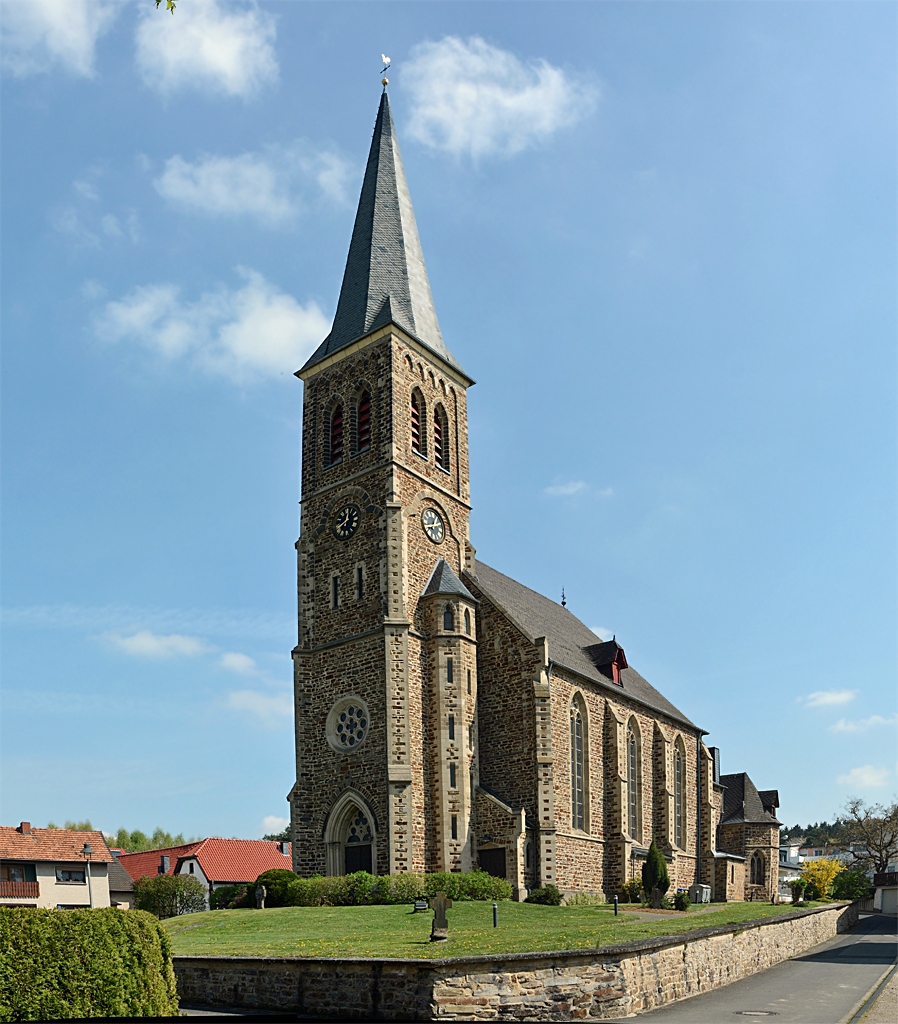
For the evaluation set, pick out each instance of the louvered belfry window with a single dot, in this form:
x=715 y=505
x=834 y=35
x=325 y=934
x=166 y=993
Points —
x=364 y=422
x=438 y=440
x=416 y=425
x=337 y=434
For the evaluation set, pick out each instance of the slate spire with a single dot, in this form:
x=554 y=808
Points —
x=385 y=280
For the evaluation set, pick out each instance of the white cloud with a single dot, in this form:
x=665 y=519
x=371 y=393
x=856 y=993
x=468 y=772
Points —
x=864 y=777
x=207 y=46
x=245 y=334
x=270 y=709
x=827 y=698
x=261 y=185
x=601 y=632
x=242 y=664
x=41 y=35
x=68 y=222
x=862 y=724
x=471 y=98
x=565 y=490
x=153 y=645
x=273 y=825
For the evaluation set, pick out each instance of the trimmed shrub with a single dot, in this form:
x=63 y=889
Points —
x=654 y=872
x=276 y=882
x=632 y=891
x=70 y=964
x=798 y=886
x=169 y=895
x=362 y=889
x=229 y=897
x=681 y=901
x=469 y=885
x=852 y=884
x=549 y=896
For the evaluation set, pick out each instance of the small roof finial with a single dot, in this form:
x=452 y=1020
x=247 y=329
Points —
x=385 y=82
x=563 y=601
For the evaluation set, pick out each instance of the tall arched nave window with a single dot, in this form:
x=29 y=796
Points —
x=578 y=817
x=757 y=868
x=679 y=793
x=634 y=783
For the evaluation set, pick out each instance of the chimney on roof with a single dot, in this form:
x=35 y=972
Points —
x=163 y=866
x=715 y=760
x=25 y=828
x=284 y=848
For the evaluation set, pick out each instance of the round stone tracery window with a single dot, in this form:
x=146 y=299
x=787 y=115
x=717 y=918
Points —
x=347 y=724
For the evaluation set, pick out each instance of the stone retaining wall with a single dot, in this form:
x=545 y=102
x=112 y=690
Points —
x=609 y=982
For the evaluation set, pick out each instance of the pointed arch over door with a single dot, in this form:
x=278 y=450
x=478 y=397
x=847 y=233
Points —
x=351 y=835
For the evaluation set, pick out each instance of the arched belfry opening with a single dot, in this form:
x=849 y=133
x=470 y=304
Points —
x=351 y=836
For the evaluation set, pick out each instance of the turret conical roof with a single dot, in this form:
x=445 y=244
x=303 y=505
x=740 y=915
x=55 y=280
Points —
x=385 y=280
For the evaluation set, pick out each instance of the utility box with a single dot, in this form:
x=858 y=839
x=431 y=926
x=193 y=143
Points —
x=700 y=893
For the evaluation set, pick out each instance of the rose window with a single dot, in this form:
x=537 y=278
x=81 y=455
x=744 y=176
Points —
x=347 y=724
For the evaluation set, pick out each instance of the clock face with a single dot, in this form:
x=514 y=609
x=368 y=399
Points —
x=346 y=522
x=433 y=525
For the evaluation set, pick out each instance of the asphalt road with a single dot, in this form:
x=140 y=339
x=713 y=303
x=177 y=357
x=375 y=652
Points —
x=829 y=984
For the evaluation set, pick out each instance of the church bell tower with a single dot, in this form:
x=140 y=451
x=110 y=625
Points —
x=385 y=670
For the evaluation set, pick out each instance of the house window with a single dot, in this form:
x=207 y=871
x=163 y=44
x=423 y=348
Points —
x=468 y=624
x=191 y=867
x=337 y=435
x=679 y=794
x=452 y=774
x=448 y=619
x=70 y=875
x=633 y=784
x=364 y=422
x=577 y=816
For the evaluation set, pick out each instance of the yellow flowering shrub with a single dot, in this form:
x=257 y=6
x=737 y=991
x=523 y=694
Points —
x=820 y=874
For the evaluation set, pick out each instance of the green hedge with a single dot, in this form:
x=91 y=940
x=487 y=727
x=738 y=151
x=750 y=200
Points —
x=362 y=889
x=65 y=964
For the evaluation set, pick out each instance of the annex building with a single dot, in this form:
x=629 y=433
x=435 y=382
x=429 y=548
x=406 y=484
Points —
x=446 y=715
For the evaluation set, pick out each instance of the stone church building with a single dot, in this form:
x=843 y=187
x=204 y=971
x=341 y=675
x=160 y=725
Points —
x=446 y=715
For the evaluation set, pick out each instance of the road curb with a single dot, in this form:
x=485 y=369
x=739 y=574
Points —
x=861 y=1007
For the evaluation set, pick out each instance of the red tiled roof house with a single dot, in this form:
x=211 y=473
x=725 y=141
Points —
x=46 y=867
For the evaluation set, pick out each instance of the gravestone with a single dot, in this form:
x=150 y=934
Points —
x=656 y=898
x=440 y=930
x=420 y=905
x=261 y=893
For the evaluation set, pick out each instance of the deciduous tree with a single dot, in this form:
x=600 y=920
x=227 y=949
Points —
x=873 y=830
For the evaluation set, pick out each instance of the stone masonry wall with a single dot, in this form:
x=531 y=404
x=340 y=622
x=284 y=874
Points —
x=611 y=982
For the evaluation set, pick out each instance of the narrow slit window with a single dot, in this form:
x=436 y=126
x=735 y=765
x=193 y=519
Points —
x=467 y=622
x=337 y=434
x=469 y=680
x=452 y=774
x=335 y=591
x=364 y=436
x=360 y=582
x=454 y=827
x=452 y=727
x=449 y=675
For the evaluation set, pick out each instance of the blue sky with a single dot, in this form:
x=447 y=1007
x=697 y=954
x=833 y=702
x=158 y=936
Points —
x=661 y=237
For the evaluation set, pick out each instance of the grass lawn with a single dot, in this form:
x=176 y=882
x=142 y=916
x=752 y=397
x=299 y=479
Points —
x=398 y=932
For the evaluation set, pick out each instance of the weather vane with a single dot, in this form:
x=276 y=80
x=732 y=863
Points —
x=563 y=601
x=385 y=81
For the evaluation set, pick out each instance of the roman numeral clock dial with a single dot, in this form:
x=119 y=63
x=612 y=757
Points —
x=346 y=521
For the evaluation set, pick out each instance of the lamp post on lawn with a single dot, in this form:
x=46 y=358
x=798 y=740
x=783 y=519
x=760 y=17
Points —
x=88 y=853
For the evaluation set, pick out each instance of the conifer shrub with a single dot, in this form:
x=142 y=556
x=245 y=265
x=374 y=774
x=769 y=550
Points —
x=548 y=896
x=71 y=964
x=654 y=872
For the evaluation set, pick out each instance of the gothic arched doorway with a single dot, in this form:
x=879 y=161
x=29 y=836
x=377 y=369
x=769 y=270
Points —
x=351 y=836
